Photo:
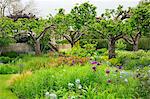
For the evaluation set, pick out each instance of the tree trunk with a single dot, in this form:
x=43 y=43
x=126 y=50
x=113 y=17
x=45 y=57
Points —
x=111 y=48
x=72 y=44
x=37 y=48
x=135 y=45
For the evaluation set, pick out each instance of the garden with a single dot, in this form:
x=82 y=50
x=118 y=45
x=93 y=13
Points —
x=107 y=56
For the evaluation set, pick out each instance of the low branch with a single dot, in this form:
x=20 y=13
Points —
x=117 y=37
x=127 y=39
x=138 y=35
x=68 y=38
x=54 y=48
x=32 y=36
x=77 y=36
x=43 y=32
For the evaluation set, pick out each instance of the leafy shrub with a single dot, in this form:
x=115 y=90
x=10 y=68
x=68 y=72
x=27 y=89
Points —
x=73 y=60
x=34 y=63
x=132 y=60
x=144 y=77
x=121 y=45
x=78 y=82
x=62 y=42
x=6 y=69
x=10 y=54
x=5 y=59
x=144 y=43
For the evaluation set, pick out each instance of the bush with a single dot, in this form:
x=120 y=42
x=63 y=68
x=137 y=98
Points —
x=10 y=54
x=144 y=43
x=132 y=60
x=121 y=45
x=78 y=82
x=6 y=69
x=5 y=59
x=144 y=77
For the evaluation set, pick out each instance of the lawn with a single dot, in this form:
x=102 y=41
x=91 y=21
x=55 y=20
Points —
x=5 y=93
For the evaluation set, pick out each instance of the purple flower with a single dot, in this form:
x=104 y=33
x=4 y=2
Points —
x=120 y=67
x=107 y=71
x=73 y=62
x=109 y=81
x=94 y=62
x=94 y=68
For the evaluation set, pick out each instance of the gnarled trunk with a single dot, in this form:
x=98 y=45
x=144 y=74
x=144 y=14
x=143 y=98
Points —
x=134 y=41
x=37 y=48
x=111 y=48
x=135 y=45
x=72 y=44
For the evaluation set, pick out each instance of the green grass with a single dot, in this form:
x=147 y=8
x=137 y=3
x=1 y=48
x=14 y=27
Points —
x=5 y=93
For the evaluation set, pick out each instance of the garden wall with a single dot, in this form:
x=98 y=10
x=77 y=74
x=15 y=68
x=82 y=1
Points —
x=17 y=47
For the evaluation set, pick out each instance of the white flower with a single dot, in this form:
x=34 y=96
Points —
x=47 y=94
x=79 y=87
x=126 y=80
x=53 y=96
x=70 y=85
x=77 y=81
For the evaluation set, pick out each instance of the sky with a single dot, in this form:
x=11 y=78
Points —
x=46 y=7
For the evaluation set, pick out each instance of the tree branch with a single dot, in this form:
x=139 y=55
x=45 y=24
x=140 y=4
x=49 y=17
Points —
x=68 y=38
x=77 y=36
x=32 y=36
x=127 y=39
x=138 y=35
x=43 y=32
x=117 y=37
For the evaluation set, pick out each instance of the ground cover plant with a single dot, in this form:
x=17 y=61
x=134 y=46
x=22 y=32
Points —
x=98 y=81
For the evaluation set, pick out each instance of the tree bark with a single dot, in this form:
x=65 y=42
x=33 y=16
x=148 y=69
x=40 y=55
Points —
x=72 y=44
x=37 y=48
x=135 y=46
x=134 y=41
x=111 y=48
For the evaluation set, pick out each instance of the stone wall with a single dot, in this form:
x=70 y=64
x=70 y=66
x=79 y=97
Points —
x=17 y=47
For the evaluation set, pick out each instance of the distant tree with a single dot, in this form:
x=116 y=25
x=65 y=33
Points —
x=72 y=25
x=6 y=32
x=139 y=24
x=37 y=30
x=112 y=26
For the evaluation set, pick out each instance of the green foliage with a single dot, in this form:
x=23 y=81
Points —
x=4 y=41
x=132 y=60
x=140 y=20
x=6 y=27
x=66 y=81
x=81 y=52
x=6 y=69
x=62 y=42
x=83 y=14
x=144 y=43
x=5 y=59
x=10 y=54
x=144 y=77
x=121 y=45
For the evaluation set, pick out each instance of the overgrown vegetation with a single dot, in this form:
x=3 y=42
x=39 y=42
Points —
x=97 y=66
